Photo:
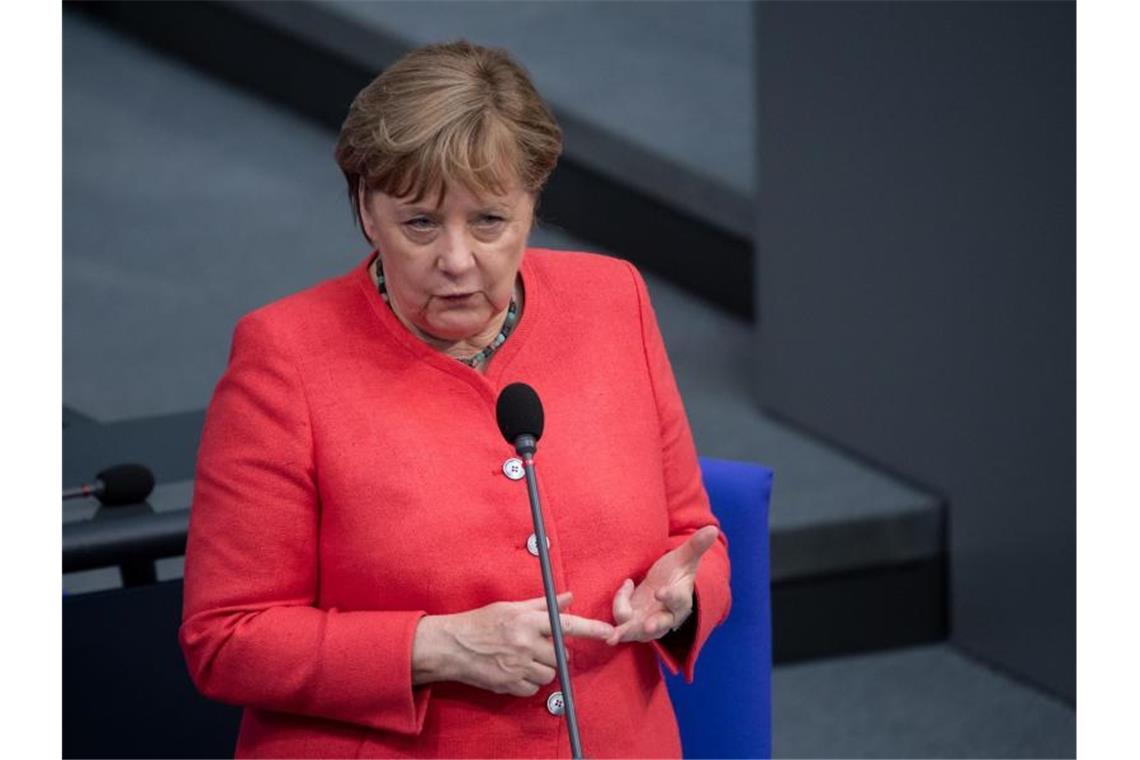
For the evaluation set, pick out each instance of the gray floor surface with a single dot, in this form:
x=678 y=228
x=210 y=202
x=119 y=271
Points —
x=922 y=702
x=186 y=204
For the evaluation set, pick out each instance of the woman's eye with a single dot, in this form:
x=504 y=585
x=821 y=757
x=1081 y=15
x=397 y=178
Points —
x=489 y=220
x=420 y=224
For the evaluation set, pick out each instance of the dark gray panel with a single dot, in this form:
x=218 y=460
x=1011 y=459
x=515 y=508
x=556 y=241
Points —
x=916 y=279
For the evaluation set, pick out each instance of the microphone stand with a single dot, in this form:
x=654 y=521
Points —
x=525 y=445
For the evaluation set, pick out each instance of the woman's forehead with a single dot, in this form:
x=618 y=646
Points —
x=458 y=196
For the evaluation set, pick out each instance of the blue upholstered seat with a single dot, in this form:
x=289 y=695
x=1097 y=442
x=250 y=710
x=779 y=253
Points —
x=727 y=710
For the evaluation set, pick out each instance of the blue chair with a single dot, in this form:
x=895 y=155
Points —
x=727 y=710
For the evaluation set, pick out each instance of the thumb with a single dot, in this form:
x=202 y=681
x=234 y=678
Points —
x=622 y=607
x=690 y=552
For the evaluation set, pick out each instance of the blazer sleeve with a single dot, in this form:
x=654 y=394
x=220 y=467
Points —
x=251 y=633
x=687 y=500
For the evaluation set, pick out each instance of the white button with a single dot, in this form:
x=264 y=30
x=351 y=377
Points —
x=513 y=469
x=532 y=544
x=554 y=704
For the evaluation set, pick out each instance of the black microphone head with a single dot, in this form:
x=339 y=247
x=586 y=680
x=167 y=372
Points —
x=519 y=412
x=125 y=484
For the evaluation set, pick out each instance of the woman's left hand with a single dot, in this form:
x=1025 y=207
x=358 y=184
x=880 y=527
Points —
x=664 y=598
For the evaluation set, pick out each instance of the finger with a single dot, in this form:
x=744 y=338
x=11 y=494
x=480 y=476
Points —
x=539 y=602
x=541 y=675
x=581 y=627
x=544 y=654
x=586 y=628
x=690 y=552
x=623 y=609
x=677 y=598
x=659 y=623
x=619 y=634
x=523 y=688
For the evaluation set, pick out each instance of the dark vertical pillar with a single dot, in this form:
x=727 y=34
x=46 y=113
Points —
x=916 y=281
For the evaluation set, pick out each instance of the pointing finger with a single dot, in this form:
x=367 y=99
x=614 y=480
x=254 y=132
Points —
x=580 y=627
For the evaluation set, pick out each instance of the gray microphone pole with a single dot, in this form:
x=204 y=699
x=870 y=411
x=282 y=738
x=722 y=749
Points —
x=525 y=445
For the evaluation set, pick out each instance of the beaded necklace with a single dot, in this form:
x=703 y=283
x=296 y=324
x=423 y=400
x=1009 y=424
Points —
x=483 y=356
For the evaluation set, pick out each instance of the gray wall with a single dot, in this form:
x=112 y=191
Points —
x=916 y=281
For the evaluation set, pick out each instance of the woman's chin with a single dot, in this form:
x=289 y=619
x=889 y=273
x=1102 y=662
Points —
x=454 y=327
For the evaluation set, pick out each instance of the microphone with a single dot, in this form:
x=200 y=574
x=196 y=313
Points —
x=114 y=486
x=520 y=417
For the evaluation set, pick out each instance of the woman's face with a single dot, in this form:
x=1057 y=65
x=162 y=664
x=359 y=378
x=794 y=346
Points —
x=449 y=269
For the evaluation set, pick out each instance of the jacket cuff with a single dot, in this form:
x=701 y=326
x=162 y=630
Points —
x=367 y=688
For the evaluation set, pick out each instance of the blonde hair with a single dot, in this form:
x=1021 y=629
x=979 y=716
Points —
x=448 y=113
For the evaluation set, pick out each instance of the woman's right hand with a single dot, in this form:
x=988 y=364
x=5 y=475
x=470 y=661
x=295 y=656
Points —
x=505 y=647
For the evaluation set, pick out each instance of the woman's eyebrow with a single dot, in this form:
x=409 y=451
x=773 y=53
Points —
x=496 y=206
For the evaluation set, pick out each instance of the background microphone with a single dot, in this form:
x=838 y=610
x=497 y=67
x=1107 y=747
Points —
x=121 y=484
x=520 y=417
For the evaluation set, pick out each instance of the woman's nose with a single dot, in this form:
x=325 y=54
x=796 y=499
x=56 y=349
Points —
x=455 y=256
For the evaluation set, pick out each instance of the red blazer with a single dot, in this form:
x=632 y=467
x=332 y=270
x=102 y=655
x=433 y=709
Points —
x=350 y=480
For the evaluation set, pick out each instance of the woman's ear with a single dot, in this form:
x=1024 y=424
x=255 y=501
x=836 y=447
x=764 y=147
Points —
x=367 y=222
x=535 y=198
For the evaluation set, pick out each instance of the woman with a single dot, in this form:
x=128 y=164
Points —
x=361 y=573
